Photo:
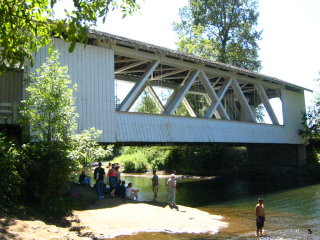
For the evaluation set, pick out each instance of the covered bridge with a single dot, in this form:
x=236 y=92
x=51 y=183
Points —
x=197 y=100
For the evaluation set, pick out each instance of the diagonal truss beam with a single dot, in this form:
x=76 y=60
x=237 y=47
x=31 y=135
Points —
x=215 y=98
x=132 y=65
x=137 y=88
x=167 y=74
x=243 y=101
x=265 y=100
x=181 y=92
x=188 y=107
x=155 y=98
x=208 y=99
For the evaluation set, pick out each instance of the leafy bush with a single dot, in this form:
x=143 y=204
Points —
x=133 y=162
x=46 y=172
x=10 y=177
x=85 y=148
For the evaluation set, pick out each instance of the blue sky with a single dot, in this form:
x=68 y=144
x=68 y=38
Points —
x=289 y=50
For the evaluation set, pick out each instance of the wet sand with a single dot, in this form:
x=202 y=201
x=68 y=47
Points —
x=109 y=218
x=133 y=217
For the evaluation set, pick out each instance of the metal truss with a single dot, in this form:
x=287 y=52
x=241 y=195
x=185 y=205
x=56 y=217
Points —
x=226 y=96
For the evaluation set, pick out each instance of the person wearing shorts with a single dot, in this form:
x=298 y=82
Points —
x=155 y=185
x=260 y=216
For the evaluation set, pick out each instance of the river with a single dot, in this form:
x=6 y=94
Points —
x=292 y=213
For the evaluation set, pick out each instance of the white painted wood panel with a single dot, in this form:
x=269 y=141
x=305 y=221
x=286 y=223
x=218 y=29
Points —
x=173 y=129
x=92 y=69
x=293 y=106
x=11 y=87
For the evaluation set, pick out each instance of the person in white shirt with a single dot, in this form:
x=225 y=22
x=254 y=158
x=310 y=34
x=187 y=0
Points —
x=131 y=193
x=171 y=189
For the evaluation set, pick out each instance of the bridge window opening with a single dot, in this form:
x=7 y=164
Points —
x=276 y=104
x=197 y=99
x=145 y=104
x=258 y=109
x=231 y=105
x=160 y=88
x=163 y=93
x=121 y=90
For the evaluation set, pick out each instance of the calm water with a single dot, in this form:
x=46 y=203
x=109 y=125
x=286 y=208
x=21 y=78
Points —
x=289 y=213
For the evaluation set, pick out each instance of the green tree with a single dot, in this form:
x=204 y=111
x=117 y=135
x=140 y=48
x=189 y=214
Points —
x=311 y=121
x=221 y=30
x=11 y=179
x=85 y=148
x=147 y=105
x=28 y=25
x=49 y=108
x=49 y=162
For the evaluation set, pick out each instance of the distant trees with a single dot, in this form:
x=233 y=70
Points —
x=221 y=30
x=147 y=105
x=311 y=121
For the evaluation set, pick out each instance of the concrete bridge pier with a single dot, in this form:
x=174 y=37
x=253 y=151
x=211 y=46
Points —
x=291 y=155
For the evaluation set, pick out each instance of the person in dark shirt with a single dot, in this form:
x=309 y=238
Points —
x=83 y=178
x=122 y=189
x=99 y=177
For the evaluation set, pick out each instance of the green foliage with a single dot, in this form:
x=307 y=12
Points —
x=141 y=159
x=46 y=172
x=28 y=25
x=10 y=176
x=203 y=160
x=193 y=160
x=221 y=30
x=198 y=103
x=49 y=109
x=133 y=162
x=147 y=105
x=311 y=122
x=48 y=163
x=85 y=148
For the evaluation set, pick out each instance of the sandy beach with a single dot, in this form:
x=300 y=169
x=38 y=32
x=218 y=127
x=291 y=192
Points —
x=109 y=218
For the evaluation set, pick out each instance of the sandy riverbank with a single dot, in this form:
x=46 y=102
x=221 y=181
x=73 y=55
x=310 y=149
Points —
x=109 y=218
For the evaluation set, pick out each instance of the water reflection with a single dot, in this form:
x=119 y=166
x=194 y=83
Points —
x=290 y=214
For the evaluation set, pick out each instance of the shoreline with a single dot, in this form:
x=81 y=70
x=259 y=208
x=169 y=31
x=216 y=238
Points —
x=132 y=217
x=113 y=217
x=168 y=176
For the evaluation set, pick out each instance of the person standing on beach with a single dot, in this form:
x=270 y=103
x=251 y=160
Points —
x=260 y=216
x=112 y=174
x=155 y=185
x=99 y=177
x=171 y=189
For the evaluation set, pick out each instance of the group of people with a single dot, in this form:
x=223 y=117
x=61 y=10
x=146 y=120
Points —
x=117 y=187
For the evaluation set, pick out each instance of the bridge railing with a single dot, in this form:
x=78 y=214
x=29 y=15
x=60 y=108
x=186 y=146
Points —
x=8 y=113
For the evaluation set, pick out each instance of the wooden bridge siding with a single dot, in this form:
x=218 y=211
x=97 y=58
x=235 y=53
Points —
x=11 y=86
x=293 y=105
x=135 y=127
x=92 y=69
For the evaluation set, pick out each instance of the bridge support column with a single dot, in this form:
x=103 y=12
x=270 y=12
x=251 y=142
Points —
x=277 y=154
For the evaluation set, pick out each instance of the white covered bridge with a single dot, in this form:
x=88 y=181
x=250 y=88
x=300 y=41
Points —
x=197 y=100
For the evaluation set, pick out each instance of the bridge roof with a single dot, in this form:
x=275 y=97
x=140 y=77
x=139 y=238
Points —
x=191 y=58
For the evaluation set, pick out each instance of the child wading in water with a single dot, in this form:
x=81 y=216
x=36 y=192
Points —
x=171 y=188
x=260 y=217
x=155 y=185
